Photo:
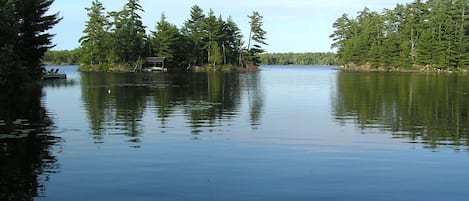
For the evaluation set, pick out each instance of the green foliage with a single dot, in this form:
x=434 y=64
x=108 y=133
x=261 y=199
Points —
x=419 y=34
x=107 y=44
x=24 y=39
x=299 y=59
x=211 y=40
x=8 y=30
x=62 y=57
x=232 y=43
x=95 y=44
x=214 y=35
x=129 y=33
x=256 y=38
x=203 y=39
x=166 y=41
x=193 y=30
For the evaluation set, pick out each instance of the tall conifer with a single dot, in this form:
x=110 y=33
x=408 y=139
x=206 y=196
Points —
x=257 y=37
x=24 y=25
x=95 y=43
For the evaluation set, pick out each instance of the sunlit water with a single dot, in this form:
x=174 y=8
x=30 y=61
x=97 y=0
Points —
x=284 y=133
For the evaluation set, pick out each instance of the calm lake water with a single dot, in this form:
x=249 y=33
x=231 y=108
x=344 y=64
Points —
x=284 y=133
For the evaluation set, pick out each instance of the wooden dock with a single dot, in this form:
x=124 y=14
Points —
x=54 y=76
x=154 y=64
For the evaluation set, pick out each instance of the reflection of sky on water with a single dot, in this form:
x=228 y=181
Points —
x=296 y=111
x=294 y=150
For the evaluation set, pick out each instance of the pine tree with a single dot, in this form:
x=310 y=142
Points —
x=341 y=32
x=166 y=40
x=461 y=22
x=129 y=32
x=232 y=43
x=95 y=44
x=24 y=39
x=32 y=39
x=203 y=39
x=193 y=31
x=256 y=38
x=426 y=34
x=213 y=38
x=9 y=69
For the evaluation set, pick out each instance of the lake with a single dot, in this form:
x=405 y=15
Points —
x=284 y=133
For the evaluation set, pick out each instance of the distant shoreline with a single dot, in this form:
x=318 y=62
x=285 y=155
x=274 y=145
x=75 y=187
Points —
x=415 y=69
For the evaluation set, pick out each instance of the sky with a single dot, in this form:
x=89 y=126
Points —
x=291 y=25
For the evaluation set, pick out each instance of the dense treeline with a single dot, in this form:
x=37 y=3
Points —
x=62 y=57
x=119 y=41
x=432 y=34
x=23 y=39
x=318 y=58
x=72 y=57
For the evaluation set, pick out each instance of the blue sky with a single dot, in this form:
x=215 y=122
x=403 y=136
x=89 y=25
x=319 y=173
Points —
x=291 y=25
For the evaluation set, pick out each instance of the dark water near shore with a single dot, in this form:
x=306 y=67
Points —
x=284 y=133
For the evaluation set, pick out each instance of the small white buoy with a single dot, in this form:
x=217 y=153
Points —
x=109 y=91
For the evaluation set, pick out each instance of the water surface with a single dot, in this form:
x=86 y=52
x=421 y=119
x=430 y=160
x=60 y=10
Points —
x=284 y=133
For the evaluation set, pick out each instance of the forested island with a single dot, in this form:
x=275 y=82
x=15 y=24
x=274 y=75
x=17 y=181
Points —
x=432 y=35
x=118 y=41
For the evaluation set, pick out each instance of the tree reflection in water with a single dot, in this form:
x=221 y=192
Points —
x=428 y=108
x=26 y=144
x=205 y=99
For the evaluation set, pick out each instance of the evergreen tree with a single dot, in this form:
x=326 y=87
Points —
x=256 y=38
x=129 y=32
x=9 y=69
x=193 y=31
x=460 y=13
x=203 y=39
x=341 y=34
x=213 y=38
x=24 y=39
x=95 y=44
x=166 y=40
x=419 y=34
x=32 y=39
x=232 y=42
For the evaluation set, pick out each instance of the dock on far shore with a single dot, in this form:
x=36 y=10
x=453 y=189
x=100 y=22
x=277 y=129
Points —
x=154 y=64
